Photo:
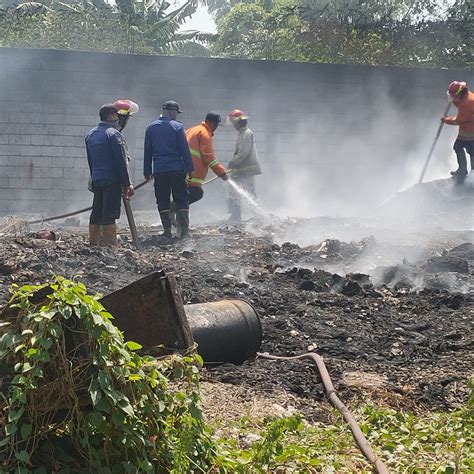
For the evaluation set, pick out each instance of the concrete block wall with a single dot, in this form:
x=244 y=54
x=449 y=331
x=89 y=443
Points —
x=322 y=130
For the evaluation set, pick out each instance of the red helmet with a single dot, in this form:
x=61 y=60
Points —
x=456 y=90
x=236 y=116
x=126 y=107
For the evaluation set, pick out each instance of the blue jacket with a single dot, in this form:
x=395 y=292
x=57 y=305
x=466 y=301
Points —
x=166 y=148
x=106 y=154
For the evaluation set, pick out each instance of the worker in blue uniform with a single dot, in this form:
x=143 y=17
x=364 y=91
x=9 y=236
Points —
x=168 y=160
x=107 y=158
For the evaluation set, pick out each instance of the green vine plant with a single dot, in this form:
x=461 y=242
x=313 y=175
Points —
x=75 y=397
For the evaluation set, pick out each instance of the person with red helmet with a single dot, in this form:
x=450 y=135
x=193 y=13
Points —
x=107 y=157
x=463 y=99
x=125 y=109
x=245 y=164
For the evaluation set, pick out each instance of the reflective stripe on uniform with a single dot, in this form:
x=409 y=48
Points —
x=195 y=152
x=213 y=163
x=196 y=180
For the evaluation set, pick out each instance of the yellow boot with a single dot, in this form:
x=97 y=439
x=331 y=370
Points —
x=109 y=235
x=94 y=234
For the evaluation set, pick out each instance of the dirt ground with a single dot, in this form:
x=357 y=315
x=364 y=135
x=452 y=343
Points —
x=399 y=331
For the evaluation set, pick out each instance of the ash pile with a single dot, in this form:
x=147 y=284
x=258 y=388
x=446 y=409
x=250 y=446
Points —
x=442 y=202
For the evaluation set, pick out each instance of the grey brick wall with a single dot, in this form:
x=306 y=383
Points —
x=332 y=131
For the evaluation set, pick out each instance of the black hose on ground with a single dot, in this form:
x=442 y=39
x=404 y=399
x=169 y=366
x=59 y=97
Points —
x=73 y=213
x=331 y=393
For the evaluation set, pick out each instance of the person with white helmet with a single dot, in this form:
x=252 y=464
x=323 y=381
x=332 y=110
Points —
x=125 y=109
x=463 y=99
x=245 y=164
x=108 y=157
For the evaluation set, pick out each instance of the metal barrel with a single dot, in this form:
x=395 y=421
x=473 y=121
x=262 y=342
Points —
x=225 y=331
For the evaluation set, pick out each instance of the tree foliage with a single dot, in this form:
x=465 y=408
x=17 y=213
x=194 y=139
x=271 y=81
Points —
x=379 y=32
x=129 y=26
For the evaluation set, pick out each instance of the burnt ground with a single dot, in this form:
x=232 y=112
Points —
x=409 y=322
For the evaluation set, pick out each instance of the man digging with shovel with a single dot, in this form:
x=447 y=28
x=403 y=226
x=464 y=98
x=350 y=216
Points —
x=463 y=99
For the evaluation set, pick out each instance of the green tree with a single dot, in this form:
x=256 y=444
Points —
x=381 y=32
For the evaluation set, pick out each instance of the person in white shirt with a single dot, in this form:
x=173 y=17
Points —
x=245 y=164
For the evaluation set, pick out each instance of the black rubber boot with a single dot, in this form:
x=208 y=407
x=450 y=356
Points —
x=461 y=172
x=173 y=211
x=166 y=223
x=183 y=220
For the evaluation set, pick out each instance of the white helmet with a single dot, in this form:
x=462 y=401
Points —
x=126 y=107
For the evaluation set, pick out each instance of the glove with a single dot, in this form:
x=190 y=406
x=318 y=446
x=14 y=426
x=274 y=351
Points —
x=128 y=191
x=224 y=176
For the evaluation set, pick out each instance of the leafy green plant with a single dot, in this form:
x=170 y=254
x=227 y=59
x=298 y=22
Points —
x=436 y=442
x=441 y=443
x=81 y=398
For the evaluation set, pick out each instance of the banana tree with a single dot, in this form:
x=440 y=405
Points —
x=143 y=26
x=152 y=21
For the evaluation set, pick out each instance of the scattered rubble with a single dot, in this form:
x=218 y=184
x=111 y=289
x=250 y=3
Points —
x=409 y=324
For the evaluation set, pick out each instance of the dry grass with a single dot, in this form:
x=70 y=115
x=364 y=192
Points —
x=12 y=225
x=232 y=409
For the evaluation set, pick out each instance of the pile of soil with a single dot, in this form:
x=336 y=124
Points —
x=409 y=325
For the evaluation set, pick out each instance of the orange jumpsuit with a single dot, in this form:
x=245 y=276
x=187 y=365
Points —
x=465 y=140
x=464 y=117
x=200 y=144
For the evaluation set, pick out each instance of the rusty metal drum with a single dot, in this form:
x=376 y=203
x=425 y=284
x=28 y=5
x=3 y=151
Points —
x=225 y=331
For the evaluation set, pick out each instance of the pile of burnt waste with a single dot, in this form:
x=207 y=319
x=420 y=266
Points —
x=408 y=323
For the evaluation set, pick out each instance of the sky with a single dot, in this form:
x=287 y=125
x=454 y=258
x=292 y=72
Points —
x=201 y=21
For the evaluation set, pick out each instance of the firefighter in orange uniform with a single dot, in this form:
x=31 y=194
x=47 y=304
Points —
x=199 y=139
x=463 y=99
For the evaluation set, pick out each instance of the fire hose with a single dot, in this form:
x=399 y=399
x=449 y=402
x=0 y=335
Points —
x=331 y=393
x=85 y=209
x=73 y=213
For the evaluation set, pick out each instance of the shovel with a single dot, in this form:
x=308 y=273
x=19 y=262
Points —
x=438 y=133
x=131 y=221
x=427 y=161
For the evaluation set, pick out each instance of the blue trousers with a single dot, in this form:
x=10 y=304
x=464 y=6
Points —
x=107 y=202
x=171 y=182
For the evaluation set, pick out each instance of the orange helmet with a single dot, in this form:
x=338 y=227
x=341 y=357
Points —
x=456 y=90
x=126 y=107
x=236 y=116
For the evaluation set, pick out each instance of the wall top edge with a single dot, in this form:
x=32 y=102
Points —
x=31 y=58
